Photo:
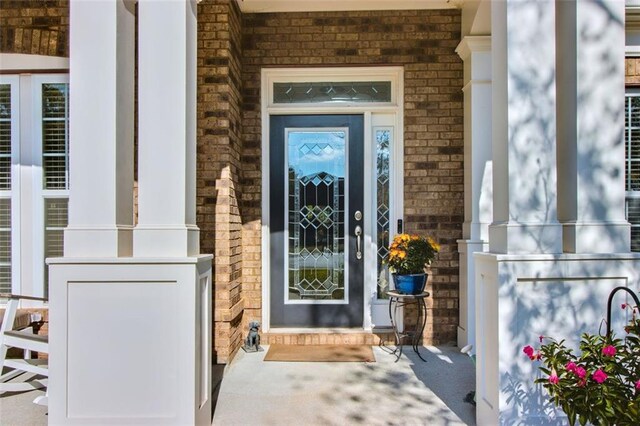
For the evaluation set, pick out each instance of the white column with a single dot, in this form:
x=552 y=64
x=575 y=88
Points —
x=475 y=51
x=166 y=130
x=148 y=315
x=524 y=128
x=591 y=188
x=101 y=129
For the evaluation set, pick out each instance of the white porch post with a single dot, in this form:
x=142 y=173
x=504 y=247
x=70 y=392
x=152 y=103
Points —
x=475 y=51
x=569 y=103
x=524 y=129
x=101 y=101
x=130 y=336
x=591 y=190
x=167 y=130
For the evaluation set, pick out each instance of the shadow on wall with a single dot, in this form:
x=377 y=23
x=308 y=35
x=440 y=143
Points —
x=562 y=298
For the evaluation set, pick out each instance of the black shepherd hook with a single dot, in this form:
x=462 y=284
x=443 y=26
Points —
x=613 y=292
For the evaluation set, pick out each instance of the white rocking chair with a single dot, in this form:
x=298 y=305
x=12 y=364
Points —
x=26 y=372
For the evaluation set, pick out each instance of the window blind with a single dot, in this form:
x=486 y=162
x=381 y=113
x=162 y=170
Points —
x=632 y=166
x=55 y=135
x=55 y=219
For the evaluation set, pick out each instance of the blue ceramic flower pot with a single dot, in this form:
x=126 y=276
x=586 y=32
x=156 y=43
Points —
x=410 y=284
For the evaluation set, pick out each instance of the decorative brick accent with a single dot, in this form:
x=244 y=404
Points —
x=423 y=42
x=218 y=165
x=373 y=339
x=37 y=27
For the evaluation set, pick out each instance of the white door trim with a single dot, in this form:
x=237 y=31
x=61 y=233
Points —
x=392 y=113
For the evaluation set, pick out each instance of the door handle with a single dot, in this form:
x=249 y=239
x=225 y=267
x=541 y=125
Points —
x=358 y=232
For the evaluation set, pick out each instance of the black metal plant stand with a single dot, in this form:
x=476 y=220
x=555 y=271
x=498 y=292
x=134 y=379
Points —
x=610 y=301
x=399 y=300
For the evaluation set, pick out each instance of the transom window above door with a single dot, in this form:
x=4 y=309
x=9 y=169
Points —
x=332 y=92
x=332 y=87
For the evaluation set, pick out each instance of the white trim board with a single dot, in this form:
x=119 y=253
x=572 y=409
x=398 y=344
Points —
x=270 y=6
x=16 y=62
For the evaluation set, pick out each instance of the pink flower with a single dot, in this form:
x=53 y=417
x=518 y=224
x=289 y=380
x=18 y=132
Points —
x=571 y=367
x=580 y=372
x=553 y=379
x=609 y=350
x=528 y=350
x=623 y=306
x=599 y=376
x=638 y=385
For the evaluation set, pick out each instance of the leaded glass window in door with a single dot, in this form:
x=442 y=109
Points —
x=316 y=164
x=382 y=205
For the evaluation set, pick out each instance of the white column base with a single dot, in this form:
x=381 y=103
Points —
x=166 y=241
x=596 y=237
x=107 y=241
x=467 y=322
x=131 y=340
x=519 y=238
x=521 y=297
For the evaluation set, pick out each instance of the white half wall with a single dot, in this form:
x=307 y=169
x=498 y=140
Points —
x=520 y=298
x=131 y=340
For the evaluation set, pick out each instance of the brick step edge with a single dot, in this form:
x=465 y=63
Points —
x=373 y=339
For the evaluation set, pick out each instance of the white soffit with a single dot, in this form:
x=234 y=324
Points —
x=266 y=6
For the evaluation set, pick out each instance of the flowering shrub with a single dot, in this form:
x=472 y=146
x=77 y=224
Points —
x=409 y=254
x=602 y=384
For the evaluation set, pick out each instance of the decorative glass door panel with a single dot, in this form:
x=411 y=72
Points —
x=316 y=220
x=316 y=194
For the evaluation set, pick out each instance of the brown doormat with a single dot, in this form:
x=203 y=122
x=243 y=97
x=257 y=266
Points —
x=320 y=353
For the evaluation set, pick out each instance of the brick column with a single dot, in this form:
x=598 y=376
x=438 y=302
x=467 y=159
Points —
x=475 y=51
x=591 y=188
x=524 y=129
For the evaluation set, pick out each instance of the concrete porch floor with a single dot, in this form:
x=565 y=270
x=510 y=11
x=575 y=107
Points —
x=254 y=392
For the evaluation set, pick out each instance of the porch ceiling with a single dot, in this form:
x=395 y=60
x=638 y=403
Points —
x=267 y=6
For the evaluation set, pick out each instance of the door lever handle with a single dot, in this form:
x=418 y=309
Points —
x=358 y=232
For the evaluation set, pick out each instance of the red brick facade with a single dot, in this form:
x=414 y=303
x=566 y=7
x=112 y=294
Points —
x=232 y=49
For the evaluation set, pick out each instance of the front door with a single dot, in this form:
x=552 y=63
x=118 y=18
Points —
x=316 y=220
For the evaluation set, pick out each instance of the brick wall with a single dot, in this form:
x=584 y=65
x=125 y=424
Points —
x=38 y=27
x=218 y=162
x=632 y=71
x=231 y=51
x=423 y=42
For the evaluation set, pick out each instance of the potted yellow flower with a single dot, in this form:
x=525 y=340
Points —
x=407 y=258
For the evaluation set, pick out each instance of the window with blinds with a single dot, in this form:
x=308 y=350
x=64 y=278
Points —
x=55 y=220
x=33 y=231
x=55 y=168
x=55 y=130
x=5 y=188
x=5 y=137
x=5 y=245
x=632 y=166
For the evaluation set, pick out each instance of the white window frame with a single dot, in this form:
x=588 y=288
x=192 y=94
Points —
x=390 y=115
x=14 y=193
x=26 y=73
x=39 y=193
